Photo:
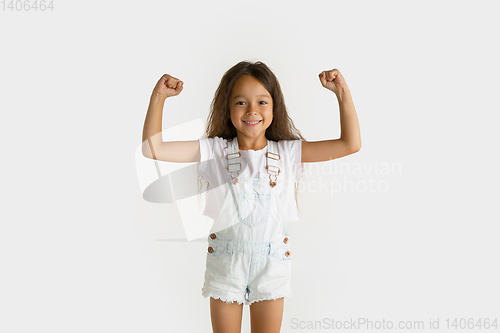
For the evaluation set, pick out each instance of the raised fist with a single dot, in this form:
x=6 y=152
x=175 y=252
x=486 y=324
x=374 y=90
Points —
x=333 y=80
x=168 y=86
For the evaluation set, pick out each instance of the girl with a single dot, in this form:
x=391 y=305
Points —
x=252 y=156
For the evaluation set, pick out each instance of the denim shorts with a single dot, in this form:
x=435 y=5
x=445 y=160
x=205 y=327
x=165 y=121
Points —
x=246 y=272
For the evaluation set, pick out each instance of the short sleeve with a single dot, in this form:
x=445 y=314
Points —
x=210 y=150
x=206 y=154
x=292 y=150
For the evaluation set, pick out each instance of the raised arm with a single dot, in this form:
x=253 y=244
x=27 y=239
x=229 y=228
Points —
x=152 y=141
x=350 y=139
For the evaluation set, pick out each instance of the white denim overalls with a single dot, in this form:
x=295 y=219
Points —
x=249 y=257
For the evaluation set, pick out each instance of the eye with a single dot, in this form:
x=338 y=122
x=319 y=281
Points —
x=263 y=101
x=239 y=102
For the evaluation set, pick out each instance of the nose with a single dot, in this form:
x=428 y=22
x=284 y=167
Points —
x=252 y=110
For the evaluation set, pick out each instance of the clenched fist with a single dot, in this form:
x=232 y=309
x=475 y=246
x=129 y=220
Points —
x=333 y=80
x=168 y=86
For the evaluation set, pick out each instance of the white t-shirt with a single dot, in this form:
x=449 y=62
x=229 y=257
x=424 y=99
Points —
x=213 y=167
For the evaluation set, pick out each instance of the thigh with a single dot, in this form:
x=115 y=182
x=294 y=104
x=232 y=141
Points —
x=266 y=316
x=226 y=317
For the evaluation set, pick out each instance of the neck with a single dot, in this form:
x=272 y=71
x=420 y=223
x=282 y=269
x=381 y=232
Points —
x=245 y=143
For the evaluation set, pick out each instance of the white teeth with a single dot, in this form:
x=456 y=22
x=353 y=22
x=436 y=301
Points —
x=252 y=123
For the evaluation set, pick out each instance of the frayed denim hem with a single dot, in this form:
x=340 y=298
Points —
x=273 y=297
x=223 y=298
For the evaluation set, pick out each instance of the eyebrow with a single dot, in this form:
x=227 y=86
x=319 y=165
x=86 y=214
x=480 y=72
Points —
x=238 y=96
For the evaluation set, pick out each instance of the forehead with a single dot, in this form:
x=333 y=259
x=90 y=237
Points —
x=248 y=86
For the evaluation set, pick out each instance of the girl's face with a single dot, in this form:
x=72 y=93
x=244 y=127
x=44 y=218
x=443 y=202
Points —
x=251 y=107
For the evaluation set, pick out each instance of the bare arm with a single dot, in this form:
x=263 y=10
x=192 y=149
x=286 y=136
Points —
x=350 y=139
x=152 y=141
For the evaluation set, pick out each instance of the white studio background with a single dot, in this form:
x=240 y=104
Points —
x=405 y=229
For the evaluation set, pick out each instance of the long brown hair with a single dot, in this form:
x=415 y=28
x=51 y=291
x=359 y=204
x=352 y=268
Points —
x=219 y=120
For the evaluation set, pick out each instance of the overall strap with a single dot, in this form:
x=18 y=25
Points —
x=233 y=159
x=273 y=162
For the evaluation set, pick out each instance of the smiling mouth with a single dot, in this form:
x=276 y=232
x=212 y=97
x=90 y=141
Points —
x=252 y=122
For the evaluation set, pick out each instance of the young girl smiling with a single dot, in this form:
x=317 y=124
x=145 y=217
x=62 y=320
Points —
x=252 y=156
